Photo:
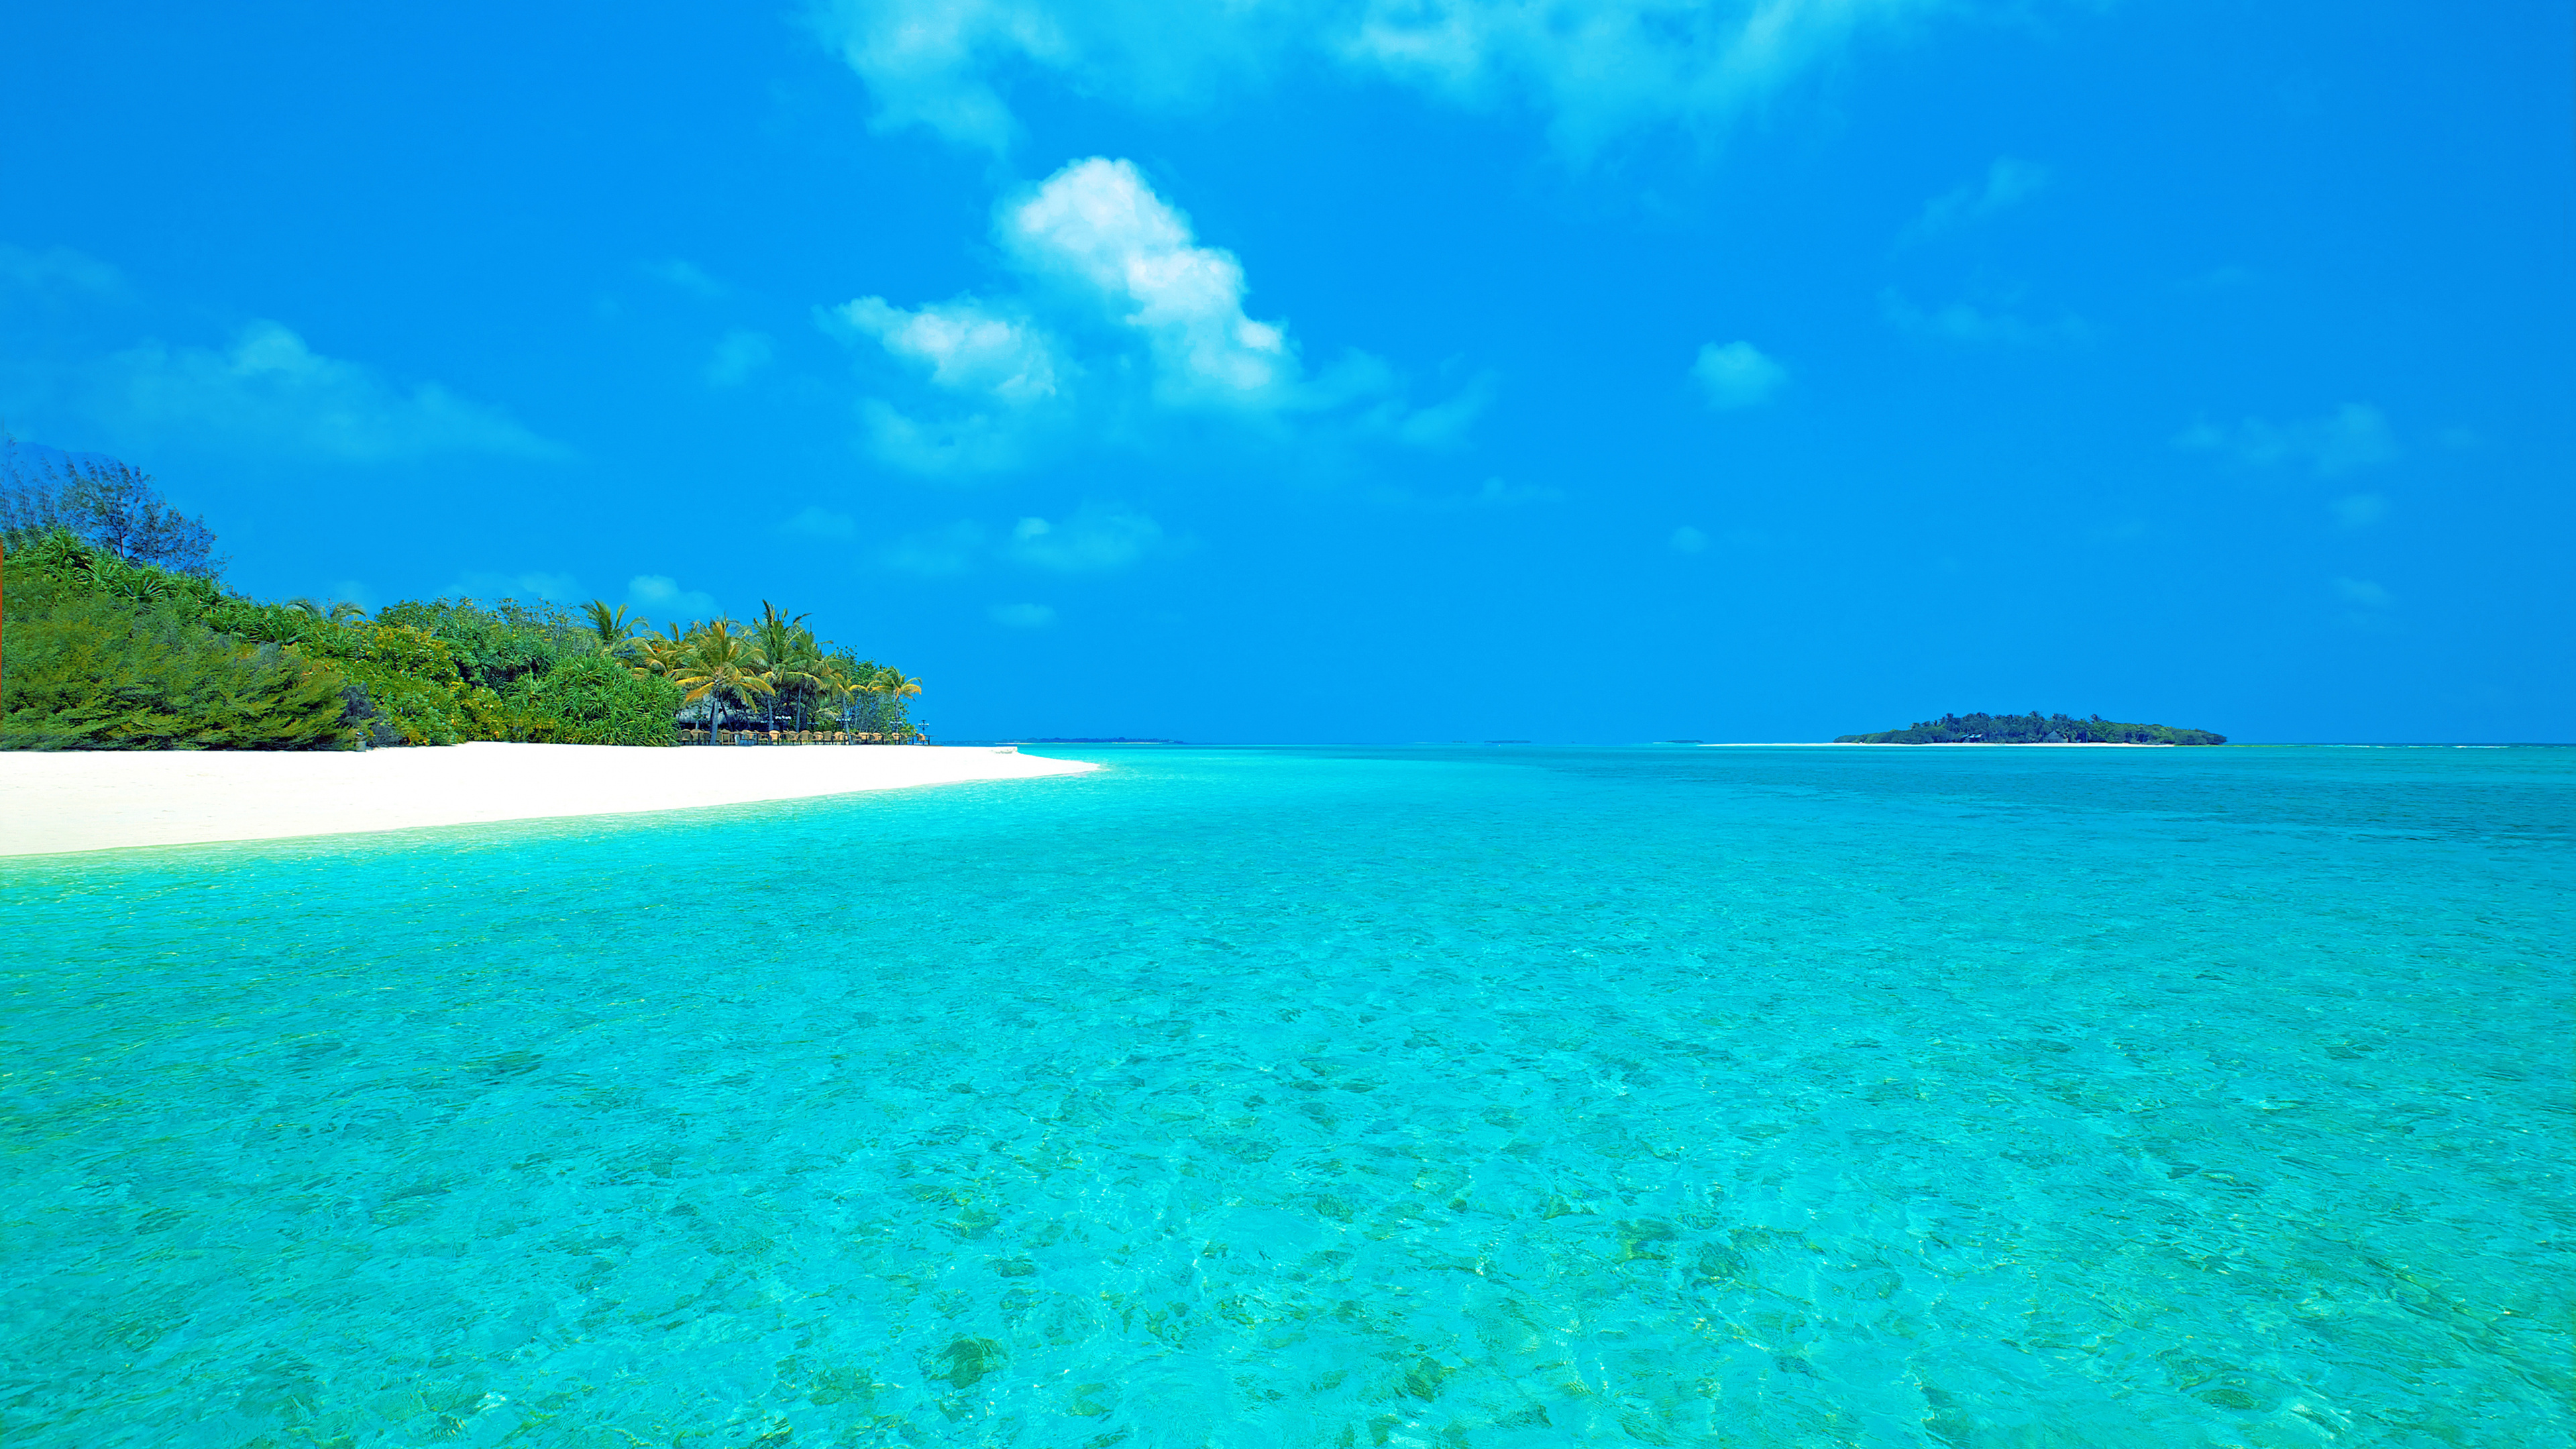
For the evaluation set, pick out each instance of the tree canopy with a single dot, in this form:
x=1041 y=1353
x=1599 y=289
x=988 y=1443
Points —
x=2033 y=728
x=105 y=504
x=108 y=652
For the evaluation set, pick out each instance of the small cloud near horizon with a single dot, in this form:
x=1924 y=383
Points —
x=1021 y=616
x=547 y=588
x=687 y=277
x=1736 y=375
x=271 y=393
x=2007 y=183
x=816 y=521
x=1495 y=493
x=2352 y=437
x=1966 y=323
x=2218 y=279
x=56 y=270
x=739 y=353
x=1095 y=538
x=939 y=553
x=662 y=596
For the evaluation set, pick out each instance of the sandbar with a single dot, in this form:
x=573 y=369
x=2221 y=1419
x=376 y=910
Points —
x=53 y=802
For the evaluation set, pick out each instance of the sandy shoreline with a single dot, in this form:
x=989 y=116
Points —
x=52 y=803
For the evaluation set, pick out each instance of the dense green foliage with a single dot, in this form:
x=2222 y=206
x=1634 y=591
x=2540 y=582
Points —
x=119 y=635
x=2032 y=729
x=89 y=670
x=104 y=652
x=125 y=655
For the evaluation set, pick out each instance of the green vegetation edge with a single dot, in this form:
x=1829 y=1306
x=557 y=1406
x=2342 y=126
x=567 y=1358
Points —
x=2033 y=728
x=106 y=653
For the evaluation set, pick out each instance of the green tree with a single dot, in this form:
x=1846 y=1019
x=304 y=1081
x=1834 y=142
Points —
x=615 y=627
x=91 y=671
x=721 y=665
x=894 y=687
x=788 y=654
x=105 y=504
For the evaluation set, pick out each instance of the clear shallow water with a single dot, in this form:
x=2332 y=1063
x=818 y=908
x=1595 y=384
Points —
x=1455 y=1098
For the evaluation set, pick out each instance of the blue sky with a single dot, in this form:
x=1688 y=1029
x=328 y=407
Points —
x=1309 y=370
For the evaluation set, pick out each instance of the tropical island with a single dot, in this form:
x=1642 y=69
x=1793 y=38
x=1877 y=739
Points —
x=119 y=634
x=2033 y=728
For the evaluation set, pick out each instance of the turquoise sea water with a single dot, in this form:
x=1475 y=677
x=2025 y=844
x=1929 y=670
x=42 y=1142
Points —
x=1283 y=1098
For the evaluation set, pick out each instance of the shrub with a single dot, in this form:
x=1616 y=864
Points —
x=90 y=671
x=591 y=699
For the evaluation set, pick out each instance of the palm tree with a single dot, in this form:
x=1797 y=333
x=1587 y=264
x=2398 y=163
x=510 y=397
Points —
x=891 y=683
x=832 y=683
x=345 y=610
x=615 y=627
x=789 y=649
x=721 y=665
x=662 y=653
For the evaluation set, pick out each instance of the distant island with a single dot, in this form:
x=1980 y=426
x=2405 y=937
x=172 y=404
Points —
x=2033 y=728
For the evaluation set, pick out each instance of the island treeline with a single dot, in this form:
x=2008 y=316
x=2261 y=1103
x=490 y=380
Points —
x=119 y=634
x=2033 y=728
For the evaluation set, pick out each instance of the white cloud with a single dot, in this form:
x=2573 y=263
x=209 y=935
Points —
x=1445 y=424
x=941 y=553
x=1597 y=70
x=1736 y=375
x=2223 y=278
x=535 y=584
x=1601 y=69
x=1021 y=616
x=925 y=60
x=1966 y=323
x=738 y=355
x=965 y=346
x=2360 y=510
x=661 y=595
x=1140 y=322
x=816 y=521
x=963 y=444
x=1095 y=539
x=688 y=278
x=2362 y=593
x=2007 y=183
x=56 y=270
x=1495 y=493
x=272 y=393
x=2352 y=437
x=1687 y=539
x=1097 y=223
x=1491 y=493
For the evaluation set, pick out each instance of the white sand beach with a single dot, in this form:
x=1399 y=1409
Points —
x=101 y=800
